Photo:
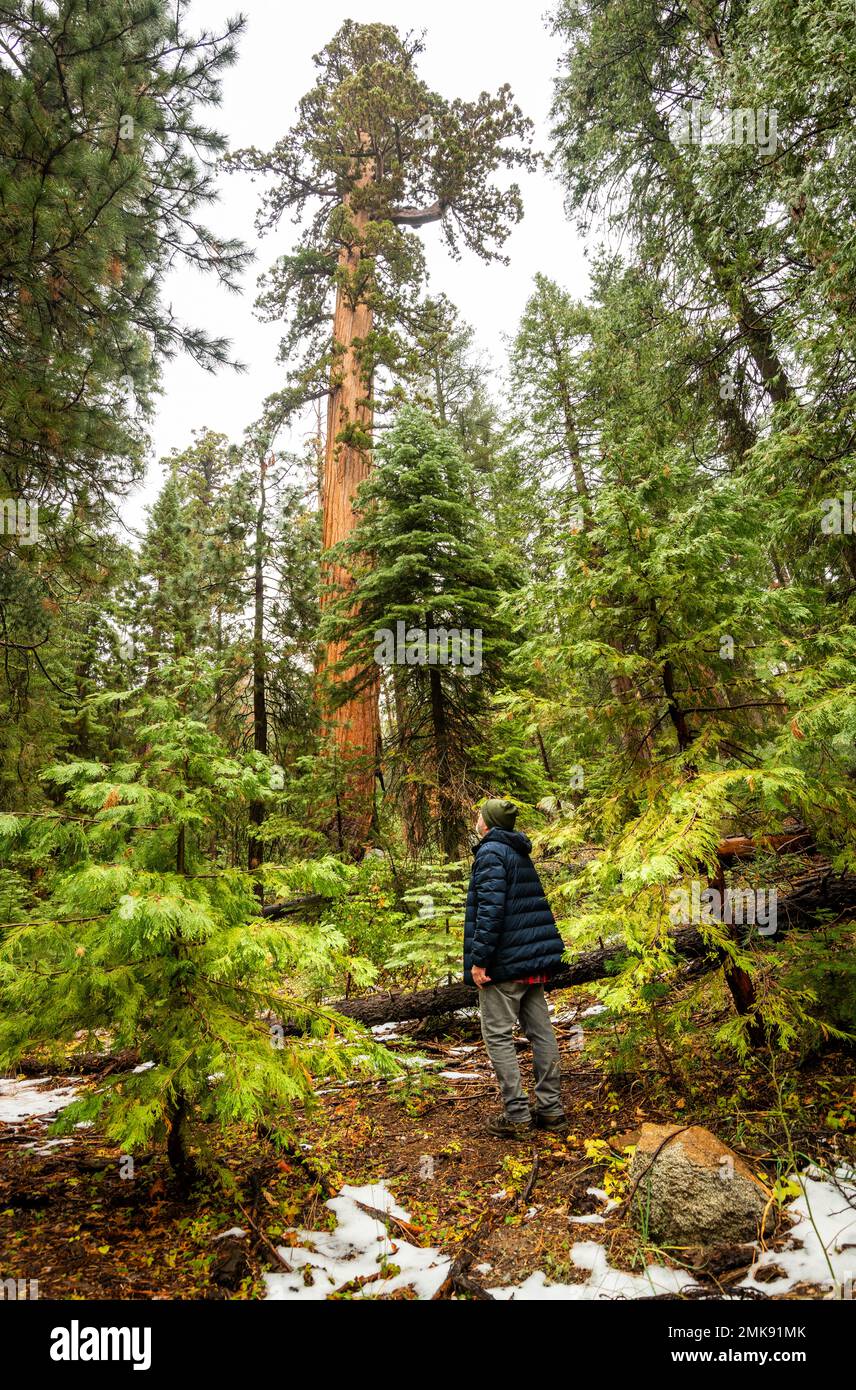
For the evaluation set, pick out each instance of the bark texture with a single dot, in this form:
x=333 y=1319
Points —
x=353 y=723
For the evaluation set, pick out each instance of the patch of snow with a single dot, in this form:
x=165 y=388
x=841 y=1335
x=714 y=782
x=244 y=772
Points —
x=602 y=1282
x=462 y=1075
x=323 y=1261
x=596 y=1218
x=386 y=1030
x=147 y=1066
x=22 y=1100
x=47 y=1145
x=232 y=1231
x=595 y=1009
x=825 y=1228
x=470 y=1047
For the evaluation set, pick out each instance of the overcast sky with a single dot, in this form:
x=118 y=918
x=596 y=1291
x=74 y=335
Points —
x=471 y=46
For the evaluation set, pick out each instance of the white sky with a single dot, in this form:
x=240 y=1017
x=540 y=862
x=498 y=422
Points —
x=471 y=46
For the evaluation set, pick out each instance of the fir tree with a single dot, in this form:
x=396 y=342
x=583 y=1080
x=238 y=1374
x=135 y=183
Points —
x=135 y=931
x=424 y=565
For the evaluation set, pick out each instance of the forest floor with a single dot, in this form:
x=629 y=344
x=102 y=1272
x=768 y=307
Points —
x=71 y=1220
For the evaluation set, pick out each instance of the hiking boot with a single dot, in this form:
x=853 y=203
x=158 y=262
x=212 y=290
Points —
x=556 y=1123
x=503 y=1127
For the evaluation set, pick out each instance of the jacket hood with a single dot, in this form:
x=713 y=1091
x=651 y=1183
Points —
x=515 y=839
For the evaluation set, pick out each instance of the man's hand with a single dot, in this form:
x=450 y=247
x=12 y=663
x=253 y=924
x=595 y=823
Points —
x=480 y=976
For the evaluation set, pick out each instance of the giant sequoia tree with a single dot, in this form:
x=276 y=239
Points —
x=375 y=153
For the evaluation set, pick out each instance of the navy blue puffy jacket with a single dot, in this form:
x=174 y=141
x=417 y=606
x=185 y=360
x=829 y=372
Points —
x=509 y=929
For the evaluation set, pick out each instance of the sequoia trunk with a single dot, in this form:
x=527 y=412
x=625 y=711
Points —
x=352 y=724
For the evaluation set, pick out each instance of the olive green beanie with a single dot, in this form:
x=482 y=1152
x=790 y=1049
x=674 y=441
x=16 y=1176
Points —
x=501 y=814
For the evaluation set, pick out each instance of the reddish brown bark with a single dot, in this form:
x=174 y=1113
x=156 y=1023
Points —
x=353 y=724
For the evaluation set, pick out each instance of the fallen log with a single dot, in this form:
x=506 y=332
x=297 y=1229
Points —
x=397 y=1008
x=78 y=1064
x=586 y=966
x=817 y=890
x=796 y=841
x=274 y=911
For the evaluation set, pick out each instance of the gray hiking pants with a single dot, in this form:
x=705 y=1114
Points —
x=501 y=1006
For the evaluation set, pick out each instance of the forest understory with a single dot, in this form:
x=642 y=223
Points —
x=500 y=1211
x=540 y=498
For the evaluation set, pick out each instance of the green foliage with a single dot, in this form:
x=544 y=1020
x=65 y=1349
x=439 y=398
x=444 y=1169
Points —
x=374 y=153
x=420 y=557
x=350 y=944
x=132 y=932
x=105 y=163
x=431 y=943
x=648 y=530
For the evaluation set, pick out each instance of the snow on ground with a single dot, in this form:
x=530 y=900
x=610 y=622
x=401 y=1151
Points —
x=322 y=1262
x=826 y=1234
x=386 y=1030
x=21 y=1100
x=325 y=1260
x=597 y=1218
x=574 y=1014
x=602 y=1280
x=48 y=1145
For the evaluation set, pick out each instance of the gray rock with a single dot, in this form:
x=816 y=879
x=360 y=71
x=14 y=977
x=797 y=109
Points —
x=691 y=1189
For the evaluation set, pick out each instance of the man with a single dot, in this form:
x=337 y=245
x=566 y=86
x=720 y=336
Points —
x=511 y=947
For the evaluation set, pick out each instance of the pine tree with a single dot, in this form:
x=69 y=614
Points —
x=104 y=166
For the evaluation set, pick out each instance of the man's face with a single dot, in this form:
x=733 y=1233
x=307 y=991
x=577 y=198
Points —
x=481 y=828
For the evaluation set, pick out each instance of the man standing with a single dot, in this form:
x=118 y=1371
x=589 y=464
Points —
x=511 y=947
